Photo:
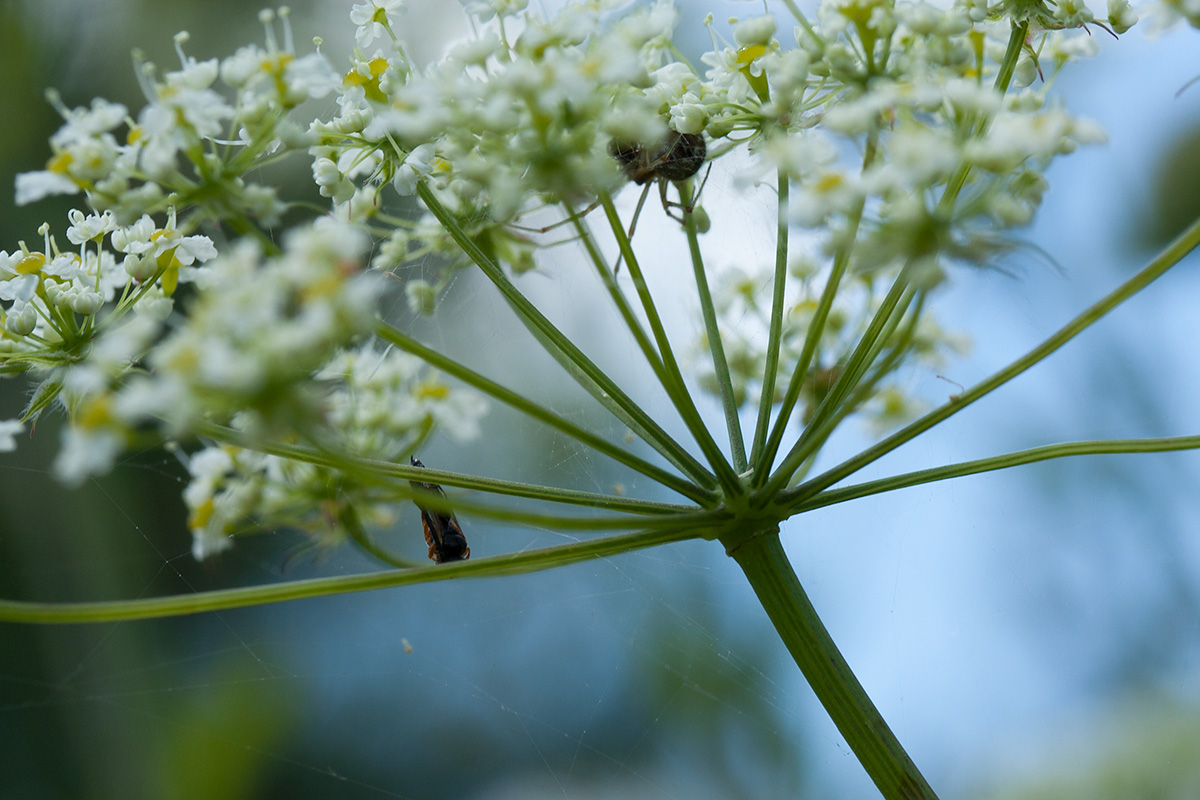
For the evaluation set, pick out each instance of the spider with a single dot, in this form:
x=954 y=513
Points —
x=675 y=159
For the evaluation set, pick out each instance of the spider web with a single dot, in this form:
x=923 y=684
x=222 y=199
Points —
x=983 y=616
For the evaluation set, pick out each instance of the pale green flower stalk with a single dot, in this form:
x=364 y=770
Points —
x=903 y=142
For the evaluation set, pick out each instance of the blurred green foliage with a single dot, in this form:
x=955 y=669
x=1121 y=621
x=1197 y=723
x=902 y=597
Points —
x=1150 y=750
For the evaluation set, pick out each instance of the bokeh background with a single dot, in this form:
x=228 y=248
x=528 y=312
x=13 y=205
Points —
x=1028 y=634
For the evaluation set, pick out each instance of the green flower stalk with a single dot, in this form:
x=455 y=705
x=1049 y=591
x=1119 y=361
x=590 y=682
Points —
x=902 y=142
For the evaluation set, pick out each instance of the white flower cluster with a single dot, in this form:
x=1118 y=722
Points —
x=56 y=302
x=911 y=137
x=257 y=342
x=885 y=110
x=256 y=329
x=252 y=334
x=379 y=405
x=260 y=348
x=191 y=146
x=502 y=124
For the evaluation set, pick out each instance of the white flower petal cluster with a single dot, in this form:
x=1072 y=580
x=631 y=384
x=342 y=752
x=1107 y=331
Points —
x=255 y=331
x=85 y=152
x=55 y=304
x=499 y=126
x=193 y=144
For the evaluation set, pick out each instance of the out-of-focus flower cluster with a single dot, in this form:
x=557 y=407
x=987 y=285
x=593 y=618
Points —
x=378 y=405
x=742 y=301
x=191 y=146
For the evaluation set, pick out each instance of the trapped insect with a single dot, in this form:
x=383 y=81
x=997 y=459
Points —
x=676 y=158
x=442 y=532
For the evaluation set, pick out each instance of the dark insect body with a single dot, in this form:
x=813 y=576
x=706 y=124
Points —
x=442 y=532
x=676 y=158
x=673 y=160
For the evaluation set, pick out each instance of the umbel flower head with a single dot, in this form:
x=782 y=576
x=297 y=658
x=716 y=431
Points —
x=886 y=119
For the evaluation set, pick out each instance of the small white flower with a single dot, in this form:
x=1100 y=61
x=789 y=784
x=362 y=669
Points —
x=22 y=319
x=85 y=453
x=9 y=428
x=417 y=166
x=19 y=288
x=371 y=18
x=689 y=115
x=33 y=186
x=754 y=31
x=86 y=228
x=135 y=239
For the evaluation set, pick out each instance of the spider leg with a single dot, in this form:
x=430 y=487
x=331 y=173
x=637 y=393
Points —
x=558 y=224
x=633 y=224
x=687 y=206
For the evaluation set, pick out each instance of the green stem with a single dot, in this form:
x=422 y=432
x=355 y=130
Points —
x=775 y=335
x=570 y=358
x=199 y=602
x=893 y=306
x=354 y=528
x=1183 y=244
x=964 y=468
x=673 y=383
x=765 y=564
x=1016 y=40
x=387 y=472
x=618 y=297
x=1012 y=53
x=804 y=23
x=812 y=338
x=540 y=413
x=716 y=348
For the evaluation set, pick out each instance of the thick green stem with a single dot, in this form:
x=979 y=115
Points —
x=762 y=558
